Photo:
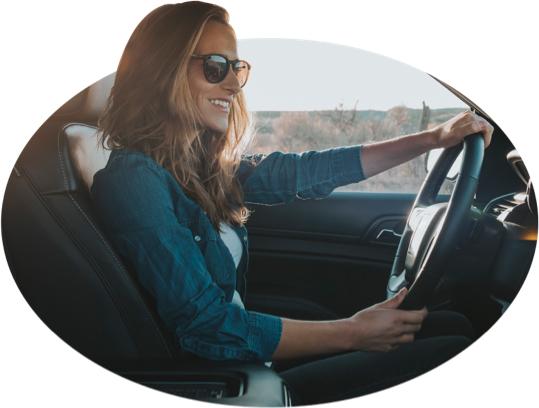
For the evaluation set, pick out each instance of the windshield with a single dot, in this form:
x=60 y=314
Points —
x=309 y=95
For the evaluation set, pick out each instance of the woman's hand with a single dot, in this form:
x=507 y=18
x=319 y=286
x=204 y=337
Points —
x=457 y=128
x=382 y=327
x=380 y=156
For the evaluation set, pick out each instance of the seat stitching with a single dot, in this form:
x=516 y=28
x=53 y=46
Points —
x=118 y=263
x=60 y=158
x=61 y=223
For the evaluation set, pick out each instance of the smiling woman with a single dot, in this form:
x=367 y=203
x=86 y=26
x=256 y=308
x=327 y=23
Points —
x=172 y=197
x=213 y=102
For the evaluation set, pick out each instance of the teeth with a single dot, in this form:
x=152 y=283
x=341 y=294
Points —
x=220 y=102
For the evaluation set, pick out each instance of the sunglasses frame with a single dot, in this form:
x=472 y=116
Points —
x=229 y=63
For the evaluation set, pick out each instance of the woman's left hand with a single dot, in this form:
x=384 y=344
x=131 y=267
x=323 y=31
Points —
x=455 y=129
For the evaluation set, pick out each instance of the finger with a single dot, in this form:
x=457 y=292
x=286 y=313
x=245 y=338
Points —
x=387 y=347
x=481 y=125
x=404 y=338
x=395 y=301
x=487 y=132
x=412 y=316
x=411 y=328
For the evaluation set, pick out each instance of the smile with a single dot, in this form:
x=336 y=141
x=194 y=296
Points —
x=224 y=105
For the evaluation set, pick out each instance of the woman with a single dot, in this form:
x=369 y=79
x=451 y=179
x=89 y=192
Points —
x=173 y=195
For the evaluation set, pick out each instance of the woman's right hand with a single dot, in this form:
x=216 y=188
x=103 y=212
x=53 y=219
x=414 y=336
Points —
x=382 y=327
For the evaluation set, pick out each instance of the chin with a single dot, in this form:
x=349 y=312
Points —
x=219 y=128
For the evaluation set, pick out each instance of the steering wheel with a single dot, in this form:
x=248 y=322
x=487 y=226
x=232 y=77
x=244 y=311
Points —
x=433 y=229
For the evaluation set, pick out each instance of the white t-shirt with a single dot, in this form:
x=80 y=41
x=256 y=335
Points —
x=233 y=243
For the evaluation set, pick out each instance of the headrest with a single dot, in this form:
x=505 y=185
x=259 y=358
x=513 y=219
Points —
x=96 y=98
x=85 y=150
x=88 y=105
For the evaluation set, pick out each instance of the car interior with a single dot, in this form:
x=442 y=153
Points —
x=310 y=259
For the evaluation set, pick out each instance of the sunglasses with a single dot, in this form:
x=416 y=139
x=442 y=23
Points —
x=216 y=68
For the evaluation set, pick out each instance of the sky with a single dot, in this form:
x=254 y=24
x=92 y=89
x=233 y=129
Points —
x=291 y=75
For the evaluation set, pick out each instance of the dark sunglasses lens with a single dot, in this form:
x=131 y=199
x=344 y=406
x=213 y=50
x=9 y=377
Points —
x=215 y=68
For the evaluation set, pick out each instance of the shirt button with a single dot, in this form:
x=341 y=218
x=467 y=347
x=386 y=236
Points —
x=197 y=238
x=245 y=238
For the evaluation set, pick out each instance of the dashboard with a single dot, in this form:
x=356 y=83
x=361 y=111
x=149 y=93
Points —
x=516 y=222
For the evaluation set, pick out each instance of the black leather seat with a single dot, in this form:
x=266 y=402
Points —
x=72 y=278
x=62 y=262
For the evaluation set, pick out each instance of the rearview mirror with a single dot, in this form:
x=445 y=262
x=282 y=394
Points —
x=432 y=158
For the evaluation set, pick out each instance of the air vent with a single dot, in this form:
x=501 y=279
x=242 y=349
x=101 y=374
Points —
x=503 y=204
x=513 y=157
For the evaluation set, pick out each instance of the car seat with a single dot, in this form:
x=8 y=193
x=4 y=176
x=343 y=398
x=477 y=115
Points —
x=60 y=259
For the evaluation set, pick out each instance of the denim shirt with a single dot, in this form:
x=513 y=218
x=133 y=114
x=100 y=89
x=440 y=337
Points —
x=180 y=259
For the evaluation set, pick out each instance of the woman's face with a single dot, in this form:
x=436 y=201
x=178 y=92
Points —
x=214 y=100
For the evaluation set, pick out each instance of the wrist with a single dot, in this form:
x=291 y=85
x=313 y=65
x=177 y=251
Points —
x=430 y=139
x=346 y=334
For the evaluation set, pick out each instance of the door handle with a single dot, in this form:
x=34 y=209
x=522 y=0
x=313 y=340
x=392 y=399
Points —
x=388 y=236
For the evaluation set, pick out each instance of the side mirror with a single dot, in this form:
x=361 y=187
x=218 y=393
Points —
x=432 y=157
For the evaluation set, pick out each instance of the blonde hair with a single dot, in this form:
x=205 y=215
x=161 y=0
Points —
x=151 y=109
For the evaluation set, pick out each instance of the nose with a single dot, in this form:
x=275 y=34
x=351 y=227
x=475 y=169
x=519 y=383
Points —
x=231 y=82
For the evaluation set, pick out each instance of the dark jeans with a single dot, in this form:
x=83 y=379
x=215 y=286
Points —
x=332 y=378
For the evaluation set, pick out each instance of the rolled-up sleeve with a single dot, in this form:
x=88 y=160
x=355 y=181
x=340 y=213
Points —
x=282 y=177
x=135 y=203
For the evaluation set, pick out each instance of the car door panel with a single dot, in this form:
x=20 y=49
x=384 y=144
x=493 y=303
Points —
x=323 y=254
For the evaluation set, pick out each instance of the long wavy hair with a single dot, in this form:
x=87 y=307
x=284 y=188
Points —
x=151 y=109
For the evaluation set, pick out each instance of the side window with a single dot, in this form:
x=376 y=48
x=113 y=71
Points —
x=314 y=96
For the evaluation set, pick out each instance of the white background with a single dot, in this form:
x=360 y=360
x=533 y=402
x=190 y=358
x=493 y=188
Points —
x=488 y=50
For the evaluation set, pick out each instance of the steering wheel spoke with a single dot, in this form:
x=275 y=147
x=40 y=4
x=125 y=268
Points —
x=415 y=217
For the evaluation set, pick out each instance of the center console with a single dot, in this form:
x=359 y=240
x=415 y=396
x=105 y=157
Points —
x=223 y=383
